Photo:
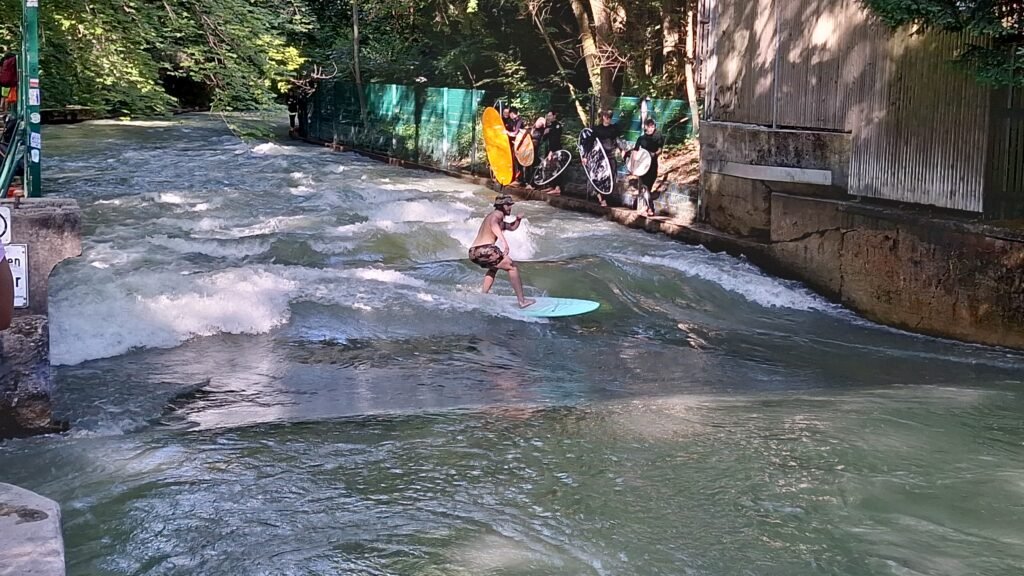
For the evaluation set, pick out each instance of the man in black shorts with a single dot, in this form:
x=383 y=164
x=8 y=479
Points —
x=487 y=254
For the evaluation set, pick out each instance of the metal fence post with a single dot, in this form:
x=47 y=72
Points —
x=28 y=97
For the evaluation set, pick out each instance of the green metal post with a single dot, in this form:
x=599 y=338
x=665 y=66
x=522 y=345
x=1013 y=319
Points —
x=28 y=96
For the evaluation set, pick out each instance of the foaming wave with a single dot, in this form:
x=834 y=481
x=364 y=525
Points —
x=421 y=211
x=271 y=149
x=103 y=317
x=387 y=276
x=742 y=279
x=521 y=244
x=215 y=248
x=218 y=228
x=168 y=198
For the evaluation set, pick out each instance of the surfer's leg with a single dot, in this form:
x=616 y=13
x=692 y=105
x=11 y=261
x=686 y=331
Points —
x=517 y=283
x=489 y=279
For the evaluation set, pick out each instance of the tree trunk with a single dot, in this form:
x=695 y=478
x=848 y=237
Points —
x=603 y=30
x=537 y=20
x=691 y=62
x=670 y=49
x=355 y=64
x=590 y=54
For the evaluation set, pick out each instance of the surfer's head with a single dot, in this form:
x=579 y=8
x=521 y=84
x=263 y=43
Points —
x=504 y=202
x=650 y=126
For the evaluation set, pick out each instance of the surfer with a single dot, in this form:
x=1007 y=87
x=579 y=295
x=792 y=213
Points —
x=553 y=143
x=651 y=141
x=610 y=136
x=487 y=254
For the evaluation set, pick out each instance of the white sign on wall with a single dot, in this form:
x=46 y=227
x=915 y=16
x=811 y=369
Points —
x=17 y=258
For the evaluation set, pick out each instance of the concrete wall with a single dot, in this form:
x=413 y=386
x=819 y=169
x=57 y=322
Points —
x=905 y=267
x=51 y=228
x=30 y=534
x=742 y=165
x=935 y=276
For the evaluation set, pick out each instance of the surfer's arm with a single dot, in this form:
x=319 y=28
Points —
x=513 y=226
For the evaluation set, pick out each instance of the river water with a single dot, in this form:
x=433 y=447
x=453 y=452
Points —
x=274 y=361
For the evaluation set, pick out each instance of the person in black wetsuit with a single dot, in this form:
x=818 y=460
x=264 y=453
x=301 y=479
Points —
x=552 y=144
x=292 y=100
x=609 y=135
x=513 y=126
x=651 y=141
x=537 y=135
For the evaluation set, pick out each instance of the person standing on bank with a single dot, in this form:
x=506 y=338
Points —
x=537 y=134
x=293 y=98
x=513 y=127
x=487 y=254
x=651 y=141
x=553 y=143
x=610 y=137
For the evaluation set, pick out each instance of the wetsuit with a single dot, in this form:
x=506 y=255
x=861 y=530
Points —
x=292 y=99
x=652 y=143
x=553 y=143
x=537 y=134
x=609 y=137
x=515 y=126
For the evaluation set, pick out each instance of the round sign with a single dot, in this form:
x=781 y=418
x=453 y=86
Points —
x=34 y=118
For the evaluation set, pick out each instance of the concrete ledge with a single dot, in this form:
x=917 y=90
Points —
x=723 y=142
x=30 y=534
x=52 y=229
x=771 y=173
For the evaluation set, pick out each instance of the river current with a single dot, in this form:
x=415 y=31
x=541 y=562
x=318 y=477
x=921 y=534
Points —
x=274 y=360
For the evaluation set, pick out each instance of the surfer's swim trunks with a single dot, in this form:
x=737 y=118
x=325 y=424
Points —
x=486 y=255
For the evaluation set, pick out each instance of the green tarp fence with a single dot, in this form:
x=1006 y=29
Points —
x=439 y=127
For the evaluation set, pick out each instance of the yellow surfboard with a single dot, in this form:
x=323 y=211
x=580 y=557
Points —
x=499 y=152
x=524 y=148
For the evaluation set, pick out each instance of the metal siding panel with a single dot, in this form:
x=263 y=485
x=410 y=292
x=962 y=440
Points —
x=925 y=138
x=743 y=70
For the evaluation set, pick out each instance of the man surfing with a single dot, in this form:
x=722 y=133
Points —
x=486 y=254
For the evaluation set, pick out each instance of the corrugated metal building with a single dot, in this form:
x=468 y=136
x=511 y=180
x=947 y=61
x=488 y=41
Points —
x=919 y=128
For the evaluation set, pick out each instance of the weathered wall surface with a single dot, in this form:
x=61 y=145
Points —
x=737 y=205
x=51 y=229
x=934 y=276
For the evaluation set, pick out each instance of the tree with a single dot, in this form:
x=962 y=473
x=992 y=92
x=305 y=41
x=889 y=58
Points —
x=997 y=59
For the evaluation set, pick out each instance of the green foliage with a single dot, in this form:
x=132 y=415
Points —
x=136 y=57
x=998 y=26
x=121 y=55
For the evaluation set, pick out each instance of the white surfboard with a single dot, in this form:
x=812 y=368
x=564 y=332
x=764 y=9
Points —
x=546 y=307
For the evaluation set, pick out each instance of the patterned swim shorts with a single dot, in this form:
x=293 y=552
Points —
x=486 y=255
